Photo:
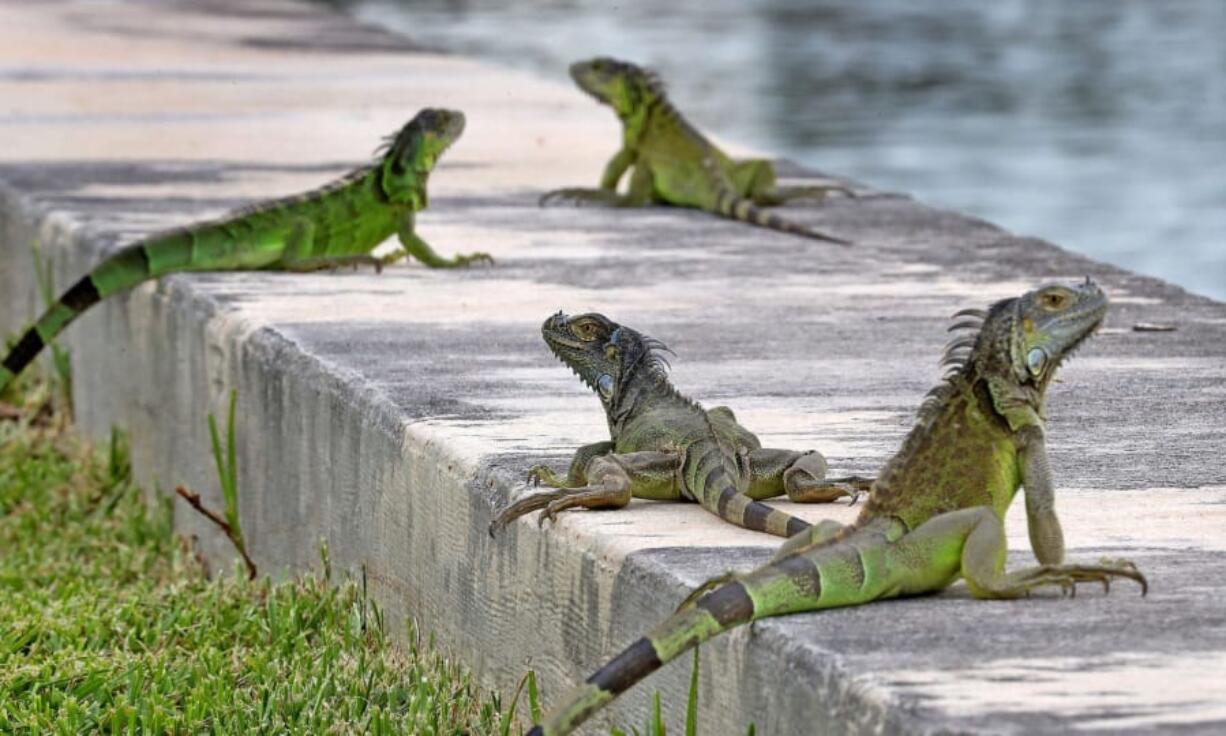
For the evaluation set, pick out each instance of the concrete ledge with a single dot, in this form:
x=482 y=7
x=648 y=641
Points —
x=388 y=415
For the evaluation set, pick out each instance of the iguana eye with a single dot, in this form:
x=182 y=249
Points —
x=1053 y=300
x=585 y=331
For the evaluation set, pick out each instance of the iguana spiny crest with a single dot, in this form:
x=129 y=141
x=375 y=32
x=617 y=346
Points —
x=337 y=224
x=1018 y=343
x=408 y=156
x=670 y=162
x=990 y=403
x=663 y=445
x=625 y=87
x=615 y=361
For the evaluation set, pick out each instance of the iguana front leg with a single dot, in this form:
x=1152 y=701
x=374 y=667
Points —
x=576 y=475
x=615 y=168
x=1046 y=536
x=755 y=180
x=612 y=481
x=973 y=542
x=421 y=250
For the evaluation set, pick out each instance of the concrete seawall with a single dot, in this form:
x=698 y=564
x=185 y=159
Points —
x=388 y=415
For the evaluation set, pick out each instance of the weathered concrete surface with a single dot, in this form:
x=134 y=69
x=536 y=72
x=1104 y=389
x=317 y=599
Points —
x=387 y=415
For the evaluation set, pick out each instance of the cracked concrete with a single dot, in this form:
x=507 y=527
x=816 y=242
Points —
x=387 y=415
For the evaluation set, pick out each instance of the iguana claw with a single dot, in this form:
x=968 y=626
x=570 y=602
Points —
x=467 y=259
x=579 y=197
x=543 y=475
x=1067 y=577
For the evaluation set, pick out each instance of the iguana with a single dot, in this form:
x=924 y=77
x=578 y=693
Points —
x=335 y=225
x=933 y=515
x=674 y=163
x=663 y=445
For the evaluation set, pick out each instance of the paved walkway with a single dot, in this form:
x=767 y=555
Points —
x=388 y=414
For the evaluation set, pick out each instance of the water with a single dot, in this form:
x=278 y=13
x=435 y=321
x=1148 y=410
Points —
x=1098 y=124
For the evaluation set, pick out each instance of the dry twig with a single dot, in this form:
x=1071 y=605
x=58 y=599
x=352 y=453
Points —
x=193 y=498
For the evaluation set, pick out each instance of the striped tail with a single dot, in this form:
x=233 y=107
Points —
x=682 y=631
x=790 y=585
x=731 y=206
x=837 y=574
x=713 y=484
x=125 y=269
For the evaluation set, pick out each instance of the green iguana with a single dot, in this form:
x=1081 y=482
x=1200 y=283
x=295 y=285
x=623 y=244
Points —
x=336 y=225
x=933 y=515
x=674 y=163
x=663 y=445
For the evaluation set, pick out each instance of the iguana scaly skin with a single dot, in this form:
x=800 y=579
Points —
x=934 y=514
x=663 y=445
x=336 y=225
x=675 y=164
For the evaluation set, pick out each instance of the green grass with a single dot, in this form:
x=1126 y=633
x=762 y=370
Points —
x=109 y=623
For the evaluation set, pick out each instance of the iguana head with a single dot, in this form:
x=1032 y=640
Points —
x=1023 y=340
x=619 y=84
x=412 y=152
x=606 y=356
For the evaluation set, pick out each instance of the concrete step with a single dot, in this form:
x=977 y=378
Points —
x=388 y=415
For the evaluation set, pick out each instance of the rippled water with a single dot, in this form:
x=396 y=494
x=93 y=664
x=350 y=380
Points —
x=1098 y=124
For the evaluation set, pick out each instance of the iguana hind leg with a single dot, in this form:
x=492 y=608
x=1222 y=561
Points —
x=851 y=486
x=326 y=263
x=815 y=192
x=799 y=475
x=707 y=586
x=821 y=532
x=755 y=180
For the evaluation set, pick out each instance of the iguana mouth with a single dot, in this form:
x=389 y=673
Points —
x=558 y=339
x=556 y=335
x=1098 y=310
x=593 y=94
x=1067 y=354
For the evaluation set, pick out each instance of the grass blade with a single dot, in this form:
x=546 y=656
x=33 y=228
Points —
x=231 y=462
x=691 y=707
x=534 y=700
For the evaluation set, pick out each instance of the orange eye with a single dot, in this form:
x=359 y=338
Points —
x=1053 y=300
x=584 y=330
